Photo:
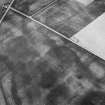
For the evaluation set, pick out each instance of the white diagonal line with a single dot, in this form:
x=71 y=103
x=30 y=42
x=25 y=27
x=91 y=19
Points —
x=39 y=23
x=6 y=11
x=74 y=41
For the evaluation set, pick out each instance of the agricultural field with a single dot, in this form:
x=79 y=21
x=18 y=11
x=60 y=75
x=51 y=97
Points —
x=39 y=62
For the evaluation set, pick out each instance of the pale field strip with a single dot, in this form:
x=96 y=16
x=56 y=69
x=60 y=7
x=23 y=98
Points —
x=93 y=36
x=6 y=11
x=86 y=2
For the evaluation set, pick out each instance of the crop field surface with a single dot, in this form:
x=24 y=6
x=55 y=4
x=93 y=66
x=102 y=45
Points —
x=40 y=64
